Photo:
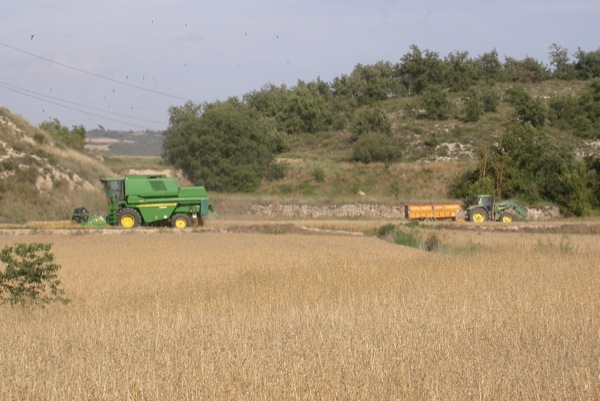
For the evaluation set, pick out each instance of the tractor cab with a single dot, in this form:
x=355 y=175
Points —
x=485 y=201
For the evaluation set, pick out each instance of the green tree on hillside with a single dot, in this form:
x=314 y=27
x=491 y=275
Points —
x=461 y=71
x=370 y=120
x=368 y=84
x=588 y=64
x=528 y=109
x=489 y=66
x=579 y=114
x=420 y=69
x=372 y=137
x=307 y=107
x=436 y=104
x=75 y=138
x=225 y=146
x=560 y=61
x=528 y=70
x=528 y=163
x=473 y=106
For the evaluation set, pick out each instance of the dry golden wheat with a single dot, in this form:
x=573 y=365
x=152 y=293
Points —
x=188 y=316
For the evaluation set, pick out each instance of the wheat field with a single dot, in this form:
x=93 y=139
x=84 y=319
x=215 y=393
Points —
x=241 y=316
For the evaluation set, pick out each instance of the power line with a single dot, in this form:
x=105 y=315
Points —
x=22 y=90
x=71 y=108
x=95 y=75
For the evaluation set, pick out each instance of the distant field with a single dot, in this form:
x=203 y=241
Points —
x=163 y=315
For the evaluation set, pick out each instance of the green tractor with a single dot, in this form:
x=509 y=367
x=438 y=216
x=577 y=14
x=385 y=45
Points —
x=151 y=200
x=486 y=209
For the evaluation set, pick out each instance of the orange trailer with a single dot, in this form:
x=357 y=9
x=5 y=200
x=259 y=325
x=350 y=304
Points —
x=432 y=212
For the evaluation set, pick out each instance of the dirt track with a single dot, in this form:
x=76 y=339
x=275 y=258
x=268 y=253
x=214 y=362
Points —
x=313 y=226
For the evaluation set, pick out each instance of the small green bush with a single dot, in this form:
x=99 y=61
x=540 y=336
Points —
x=318 y=174
x=386 y=230
x=29 y=275
x=406 y=238
x=410 y=236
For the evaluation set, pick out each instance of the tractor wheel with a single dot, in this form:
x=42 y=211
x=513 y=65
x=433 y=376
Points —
x=181 y=221
x=506 y=218
x=479 y=215
x=129 y=218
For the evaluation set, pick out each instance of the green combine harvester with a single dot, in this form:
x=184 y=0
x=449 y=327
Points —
x=148 y=200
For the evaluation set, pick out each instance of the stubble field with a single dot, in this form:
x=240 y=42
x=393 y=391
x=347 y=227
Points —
x=163 y=315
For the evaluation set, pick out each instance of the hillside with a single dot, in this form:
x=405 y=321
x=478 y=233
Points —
x=124 y=143
x=43 y=180
x=433 y=152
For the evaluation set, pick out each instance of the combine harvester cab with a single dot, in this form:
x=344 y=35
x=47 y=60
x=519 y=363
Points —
x=157 y=200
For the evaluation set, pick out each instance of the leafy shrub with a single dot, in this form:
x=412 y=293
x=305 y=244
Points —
x=406 y=238
x=436 y=104
x=490 y=99
x=318 y=174
x=29 y=275
x=276 y=171
x=473 y=106
x=386 y=230
x=307 y=187
x=529 y=110
x=370 y=120
x=376 y=148
x=75 y=138
x=532 y=165
x=410 y=236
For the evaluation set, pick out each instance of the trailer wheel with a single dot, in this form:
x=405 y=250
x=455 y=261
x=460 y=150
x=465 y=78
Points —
x=506 y=218
x=181 y=221
x=129 y=218
x=479 y=215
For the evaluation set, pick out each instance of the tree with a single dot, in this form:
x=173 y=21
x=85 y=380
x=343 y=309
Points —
x=420 y=69
x=436 y=104
x=29 y=275
x=308 y=107
x=489 y=65
x=528 y=109
x=559 y=60
x=370 y=120
x=74 y=139
x=528 y=70
x=529 y=163
x=368 y=83
x=226 y=146
x=490 y=99
x=587 y=65
x=461 y=71
x=473 y=106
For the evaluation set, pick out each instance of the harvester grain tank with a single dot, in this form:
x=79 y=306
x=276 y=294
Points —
x=486 y=209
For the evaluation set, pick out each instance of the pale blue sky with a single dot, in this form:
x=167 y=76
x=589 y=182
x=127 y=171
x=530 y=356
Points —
x=125 y=62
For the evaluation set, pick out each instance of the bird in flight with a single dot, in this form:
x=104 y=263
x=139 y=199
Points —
x=31 y=37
